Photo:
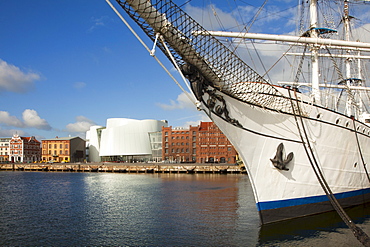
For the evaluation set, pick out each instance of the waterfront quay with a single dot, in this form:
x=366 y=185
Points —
x=125 y=167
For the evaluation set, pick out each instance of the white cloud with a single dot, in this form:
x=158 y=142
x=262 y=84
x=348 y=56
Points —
x=13 y=79
x=81 y=125
x=107 y=49
x=8 y=120
x=32 y=119
x=237 y=19
x=79 y=85
x=181 y=102
x=362 y=33
x=11 y=132
x=201 y=118
x=208 y=19
x=98 y=22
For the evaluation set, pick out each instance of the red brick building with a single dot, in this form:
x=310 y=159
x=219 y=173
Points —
x=213 y=146
x=199 y=144
x=24 y=149
x=179 y=144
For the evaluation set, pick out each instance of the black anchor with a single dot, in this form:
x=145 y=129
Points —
x=279 y=161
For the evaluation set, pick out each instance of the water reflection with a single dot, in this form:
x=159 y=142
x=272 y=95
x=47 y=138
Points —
x=171 y=209
x=74 y=209
x=316 y=230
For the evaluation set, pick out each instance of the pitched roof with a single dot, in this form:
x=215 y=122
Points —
x=28 y=139
x=62 y=138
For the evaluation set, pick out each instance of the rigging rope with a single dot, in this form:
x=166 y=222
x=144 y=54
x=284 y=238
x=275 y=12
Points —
x=299 y=70
x=358 y=232
x=192 y=99
x=301 y=24
x=341 y=78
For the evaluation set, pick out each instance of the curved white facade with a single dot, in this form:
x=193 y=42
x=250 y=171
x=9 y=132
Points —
x=93 y=143
x=123 y=136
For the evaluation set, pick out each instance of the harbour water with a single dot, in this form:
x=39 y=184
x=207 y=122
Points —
x=109 y=209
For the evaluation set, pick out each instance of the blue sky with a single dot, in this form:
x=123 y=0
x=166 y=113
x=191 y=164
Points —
x=68 y=64
x=65 y=65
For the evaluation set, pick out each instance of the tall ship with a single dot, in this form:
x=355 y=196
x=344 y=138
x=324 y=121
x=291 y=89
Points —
x=306 y=143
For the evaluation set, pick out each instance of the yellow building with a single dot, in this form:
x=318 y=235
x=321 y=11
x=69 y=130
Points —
x=63 y=149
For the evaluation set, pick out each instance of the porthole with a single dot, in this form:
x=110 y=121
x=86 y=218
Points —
x=347 y=124
x=318 y=116
x=337 y=121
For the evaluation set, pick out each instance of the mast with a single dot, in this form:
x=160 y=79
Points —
x=348 y=59
x=346 y=33
x=314 y=52
x=361 y=106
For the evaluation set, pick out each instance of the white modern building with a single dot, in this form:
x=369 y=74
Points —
x=93 y=143
x=125 y=139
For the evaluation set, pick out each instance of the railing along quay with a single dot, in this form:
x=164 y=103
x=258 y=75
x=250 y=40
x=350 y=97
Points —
x=124 y=167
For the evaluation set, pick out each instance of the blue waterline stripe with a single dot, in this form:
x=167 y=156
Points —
x=308 y=200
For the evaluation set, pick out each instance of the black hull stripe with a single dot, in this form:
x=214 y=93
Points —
x=309 y=200
x=297 y=211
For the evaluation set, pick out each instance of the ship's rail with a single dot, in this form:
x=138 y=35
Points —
x=211 y=62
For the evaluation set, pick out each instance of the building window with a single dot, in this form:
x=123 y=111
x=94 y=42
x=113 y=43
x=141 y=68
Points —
x=66 y=152
x=55 y=145
x=61 y=146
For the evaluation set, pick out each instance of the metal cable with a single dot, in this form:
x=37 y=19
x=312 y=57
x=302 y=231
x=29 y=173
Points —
x=358 y=232
x=359 y=149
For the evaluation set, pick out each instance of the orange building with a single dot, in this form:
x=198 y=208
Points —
x=64 y=149
x=199 y=144
x=24 y=149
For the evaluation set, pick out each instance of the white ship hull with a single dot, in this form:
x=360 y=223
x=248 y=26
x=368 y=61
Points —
x=282 y=194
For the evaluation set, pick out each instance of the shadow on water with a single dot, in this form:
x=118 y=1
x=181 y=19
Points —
x=312 y=227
